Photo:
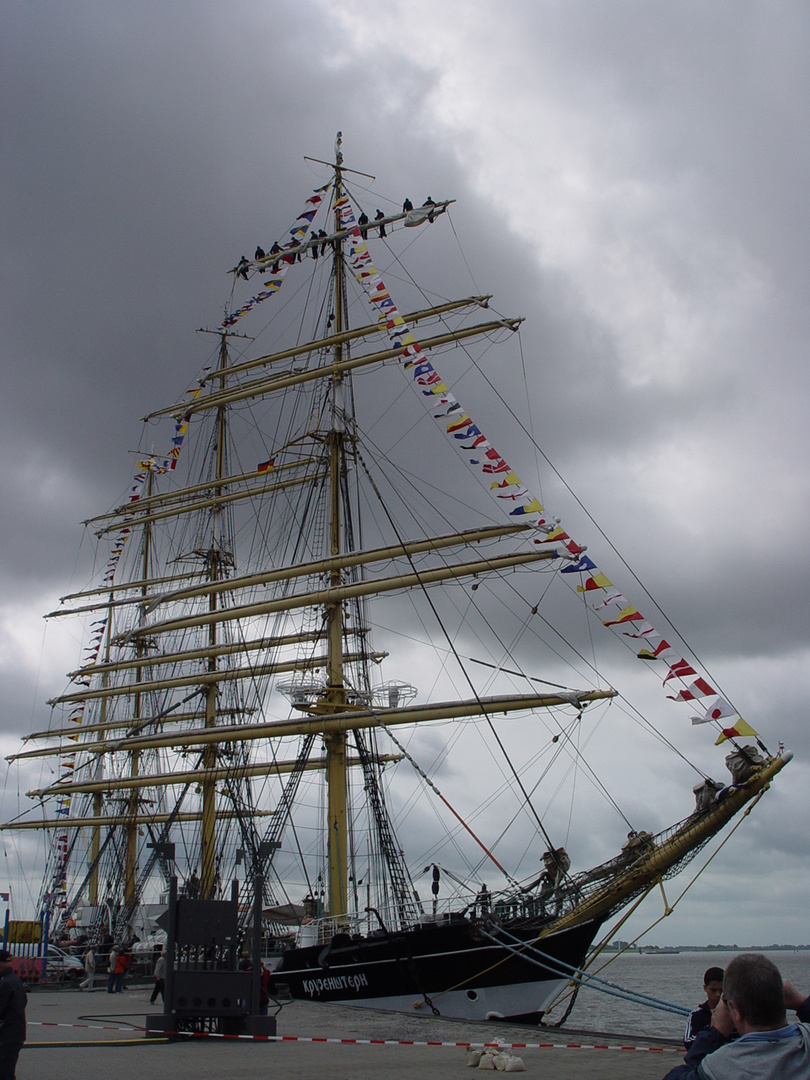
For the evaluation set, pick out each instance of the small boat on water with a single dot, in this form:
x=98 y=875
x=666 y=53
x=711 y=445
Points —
x=322 y=604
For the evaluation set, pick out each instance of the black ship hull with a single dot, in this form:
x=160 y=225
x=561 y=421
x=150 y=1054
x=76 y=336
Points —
x=448 y=968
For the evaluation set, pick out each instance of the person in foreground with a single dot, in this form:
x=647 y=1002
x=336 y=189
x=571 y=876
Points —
x=13 y=1000
x=754 y=1002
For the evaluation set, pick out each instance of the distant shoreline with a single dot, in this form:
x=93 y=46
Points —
x=651 y=950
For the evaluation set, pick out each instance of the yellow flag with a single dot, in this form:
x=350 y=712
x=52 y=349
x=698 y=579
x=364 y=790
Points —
x=598 y=581
x=740 y=728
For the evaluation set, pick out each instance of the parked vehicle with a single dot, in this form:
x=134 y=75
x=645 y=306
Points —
x=61 y=965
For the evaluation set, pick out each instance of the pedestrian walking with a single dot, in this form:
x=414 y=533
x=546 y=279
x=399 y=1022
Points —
x=89 y=961
x=159 y=976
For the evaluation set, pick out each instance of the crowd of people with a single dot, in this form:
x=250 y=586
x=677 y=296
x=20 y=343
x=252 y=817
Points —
x=260 y=257
x=118 y=960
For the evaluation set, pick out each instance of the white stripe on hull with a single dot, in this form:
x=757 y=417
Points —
x=488 y=1003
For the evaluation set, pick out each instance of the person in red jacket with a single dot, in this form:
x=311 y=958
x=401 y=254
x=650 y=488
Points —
x=122 y=963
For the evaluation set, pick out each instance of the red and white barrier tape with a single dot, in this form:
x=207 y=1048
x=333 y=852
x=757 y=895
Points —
x=365 y=1042
x=84 y=1027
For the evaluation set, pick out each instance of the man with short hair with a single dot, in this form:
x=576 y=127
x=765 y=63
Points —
x=701 y=1017
x=13 y=1000
x=753 y=1001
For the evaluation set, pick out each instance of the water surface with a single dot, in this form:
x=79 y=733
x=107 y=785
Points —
x=677 y=979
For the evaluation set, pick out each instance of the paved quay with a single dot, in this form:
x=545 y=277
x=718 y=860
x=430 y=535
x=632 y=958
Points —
x=74 y=1034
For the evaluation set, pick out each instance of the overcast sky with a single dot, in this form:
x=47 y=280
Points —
x=631 y=176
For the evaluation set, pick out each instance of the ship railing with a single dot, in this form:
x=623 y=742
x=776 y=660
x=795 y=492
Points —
x=550 y=903
x=320 y=930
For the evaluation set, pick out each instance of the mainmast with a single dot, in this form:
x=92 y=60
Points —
x=131 y=865
x=216 y=559
x=335 y=691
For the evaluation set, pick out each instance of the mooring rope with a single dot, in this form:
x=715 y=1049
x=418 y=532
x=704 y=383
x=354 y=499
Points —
x=550 y=963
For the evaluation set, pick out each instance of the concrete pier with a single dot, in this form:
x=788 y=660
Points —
x=71 y=1033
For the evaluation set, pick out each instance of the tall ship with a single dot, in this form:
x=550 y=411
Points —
x=336 y=644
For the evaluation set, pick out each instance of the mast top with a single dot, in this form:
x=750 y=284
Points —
x=337 y=164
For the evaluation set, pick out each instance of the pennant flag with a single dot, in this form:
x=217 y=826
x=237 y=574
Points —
x=508 y=481
x=662 y=651
x=628 y=614
x=740 y=729
x=584 y=564
x=640 y=629
x=699 y=688
x=611 y=598
x=720 y=710
x=679 y=669
x=598 y=581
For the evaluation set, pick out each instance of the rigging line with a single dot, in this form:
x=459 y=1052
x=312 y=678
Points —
x=519 y=674
x=554 y=757
x=406 y=274
x=233 y=777
x=462 y=668
x=528 y=400
x=577 y=758
x=640 y=717
x=559 y=967
x=447 y=747
x=449 y=806
x=508 y=784
x=419 y=489
x=286 y=799
x=601 y=532
x=307 y=299
x=600 y=786
x=535 y=610
x=477 y=609
x=365 y=468
x=285 y=302
x=491 y=798
x=669 y=908
x=461 y=249
x=392 y=226
x=595 y=953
